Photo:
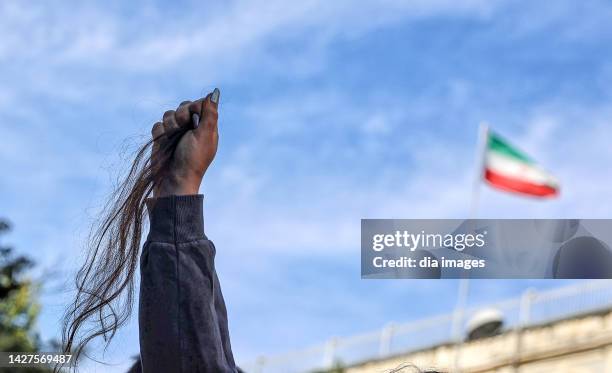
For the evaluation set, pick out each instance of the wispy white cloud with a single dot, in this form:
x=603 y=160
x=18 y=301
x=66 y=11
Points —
x=148 y=38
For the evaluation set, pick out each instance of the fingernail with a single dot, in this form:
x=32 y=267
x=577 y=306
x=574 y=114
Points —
x=195 y=120
x=215 y=96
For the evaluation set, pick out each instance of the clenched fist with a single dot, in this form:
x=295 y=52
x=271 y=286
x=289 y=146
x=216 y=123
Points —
x=195 y=150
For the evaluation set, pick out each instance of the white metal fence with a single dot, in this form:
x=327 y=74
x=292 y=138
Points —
x=530 y=308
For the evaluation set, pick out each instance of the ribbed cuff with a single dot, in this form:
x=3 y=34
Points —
x=176 y=218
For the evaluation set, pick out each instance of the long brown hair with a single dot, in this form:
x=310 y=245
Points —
x=105 y=283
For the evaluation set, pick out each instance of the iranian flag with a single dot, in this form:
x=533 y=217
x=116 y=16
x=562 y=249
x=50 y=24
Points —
x=507 y=168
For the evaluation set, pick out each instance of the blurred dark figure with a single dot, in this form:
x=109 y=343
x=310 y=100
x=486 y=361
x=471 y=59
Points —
x=583 y=257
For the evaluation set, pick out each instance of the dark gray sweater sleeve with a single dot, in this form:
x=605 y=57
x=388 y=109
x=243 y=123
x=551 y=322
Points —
x=182 y=316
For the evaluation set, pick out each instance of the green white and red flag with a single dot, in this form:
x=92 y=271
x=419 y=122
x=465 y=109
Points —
x=507 y=168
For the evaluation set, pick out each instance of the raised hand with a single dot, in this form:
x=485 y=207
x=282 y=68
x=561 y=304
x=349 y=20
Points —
x=196 y=148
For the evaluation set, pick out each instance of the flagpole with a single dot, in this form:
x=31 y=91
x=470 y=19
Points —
x=458 y=320
x=464 y=281
x=480 y=154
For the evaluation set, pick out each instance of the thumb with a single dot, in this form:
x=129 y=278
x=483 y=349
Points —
x=205 y=112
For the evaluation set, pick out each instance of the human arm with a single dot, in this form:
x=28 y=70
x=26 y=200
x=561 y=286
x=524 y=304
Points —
x=182 y=316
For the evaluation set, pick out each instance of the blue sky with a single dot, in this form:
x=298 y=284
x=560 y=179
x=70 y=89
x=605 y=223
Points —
x=330 y=112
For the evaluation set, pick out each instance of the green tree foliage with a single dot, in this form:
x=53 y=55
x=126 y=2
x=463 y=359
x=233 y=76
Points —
x=338 y=367
x=18 y=303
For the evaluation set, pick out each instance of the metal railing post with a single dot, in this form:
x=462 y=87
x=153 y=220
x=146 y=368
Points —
x=386 y=336
x=261 y=363
x=525 y=310
x=524 y=316
x=329 y=355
